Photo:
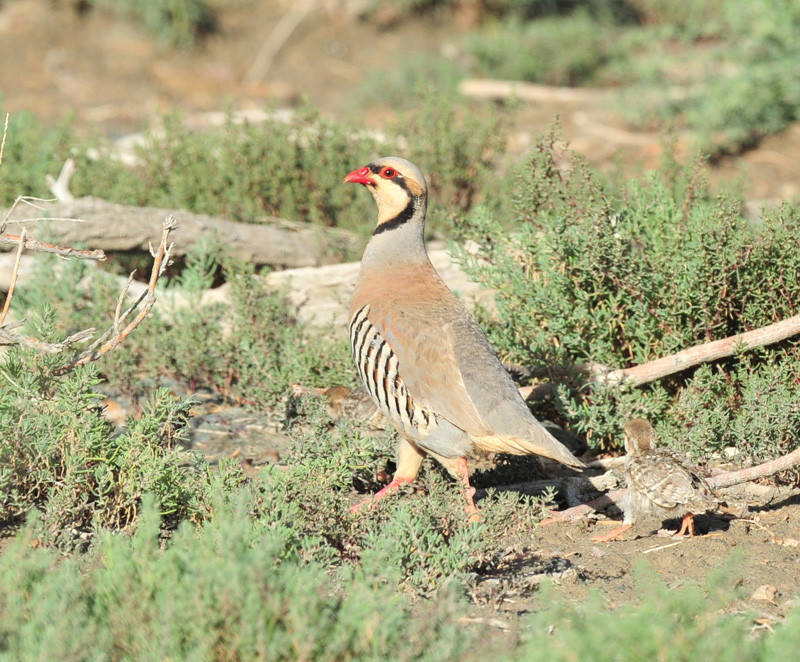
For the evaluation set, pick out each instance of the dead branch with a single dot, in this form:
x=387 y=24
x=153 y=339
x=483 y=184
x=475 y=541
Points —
x=5 y=133
x=576 y=512
x=10 y=336
x=42 y=247
x=728 y=479
x=14 y=274
x=571 y=486
x=60 y=187
x=276 y=242
x=769 y=468
x=687 y=358
x=115 y=335
x=277 y=38
x=487 y=88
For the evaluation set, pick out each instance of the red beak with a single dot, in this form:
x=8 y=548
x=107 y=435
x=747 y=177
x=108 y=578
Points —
x=360 y=176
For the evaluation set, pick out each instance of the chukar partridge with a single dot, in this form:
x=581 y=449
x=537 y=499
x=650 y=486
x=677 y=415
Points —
x=661 y=482
x=426 y=363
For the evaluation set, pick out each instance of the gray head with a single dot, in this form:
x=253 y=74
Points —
x=399 y=189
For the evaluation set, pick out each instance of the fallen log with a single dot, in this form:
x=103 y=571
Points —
x=487 y=88
x=111 y=227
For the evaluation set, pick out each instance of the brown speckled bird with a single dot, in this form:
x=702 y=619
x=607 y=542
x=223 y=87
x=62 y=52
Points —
x=661 y=482
x=426 y=363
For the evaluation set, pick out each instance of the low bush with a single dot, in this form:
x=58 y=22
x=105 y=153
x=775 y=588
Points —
x=59 y=454
x=621 y=275
x=251 y=351
x=245 y=172
x=179 y=23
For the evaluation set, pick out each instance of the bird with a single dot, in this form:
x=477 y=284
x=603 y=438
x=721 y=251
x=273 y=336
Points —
x=355 y=405
x=426 y=363
x=661 y=482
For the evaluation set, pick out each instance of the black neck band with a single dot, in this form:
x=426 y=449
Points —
x=402 y=218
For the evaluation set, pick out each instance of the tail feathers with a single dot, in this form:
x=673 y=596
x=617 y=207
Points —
x=545 y=446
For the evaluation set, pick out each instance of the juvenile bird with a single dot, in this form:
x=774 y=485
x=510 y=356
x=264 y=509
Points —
x=426 y=363
x=661 y=482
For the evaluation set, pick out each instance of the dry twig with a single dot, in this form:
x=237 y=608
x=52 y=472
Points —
x=277 y=38
x=14 y=275
x=115 y=335
x=42 y=247
x=3 y=144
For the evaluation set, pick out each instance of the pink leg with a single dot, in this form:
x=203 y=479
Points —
x=391 y=488
x=687 y=525
x=469 y=492
x=409 y=460
x=616 y=533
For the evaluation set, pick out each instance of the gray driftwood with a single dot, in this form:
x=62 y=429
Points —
x=111 y=227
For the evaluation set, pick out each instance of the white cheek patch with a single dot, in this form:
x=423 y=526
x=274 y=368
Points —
x=392 y=199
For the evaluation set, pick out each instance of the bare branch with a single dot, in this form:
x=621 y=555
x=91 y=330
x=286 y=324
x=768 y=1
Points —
x=3 y=144
x=769 y=468
x=9 y=336
x=60 y=187
x=148 y=299
x=23 y=199
x=119 y=318
x=710 y=351
x=42 y=247
x=594 y=505
x=14 y=275
x=486 y=88
x=277 y=38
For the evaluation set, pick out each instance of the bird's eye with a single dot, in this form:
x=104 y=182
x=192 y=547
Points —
x=388 y=173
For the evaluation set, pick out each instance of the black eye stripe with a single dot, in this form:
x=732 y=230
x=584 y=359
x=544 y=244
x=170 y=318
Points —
x=397 y=179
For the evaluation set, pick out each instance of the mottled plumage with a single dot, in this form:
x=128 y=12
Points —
x=424 y=360
x=661 y=482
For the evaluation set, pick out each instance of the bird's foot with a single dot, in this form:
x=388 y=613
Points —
x=469 y=507
x=391 y=488
x=686 y=525
x=469 y=492
x=616 y=533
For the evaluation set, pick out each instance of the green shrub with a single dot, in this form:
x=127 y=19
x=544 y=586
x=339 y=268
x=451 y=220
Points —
x=623 y=277
x=179 y=23
x=58 y=454
x=226 y=591
x=736 y=90
x=30 y=154
x=459 y=151
x=251 y=351
x=246 y=171
x=399 y=87
x=230 y=590
x=687 y=623
x=539 y=53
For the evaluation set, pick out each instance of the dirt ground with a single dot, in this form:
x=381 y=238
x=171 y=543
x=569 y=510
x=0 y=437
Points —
x=112 y=77
x=759 y=553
